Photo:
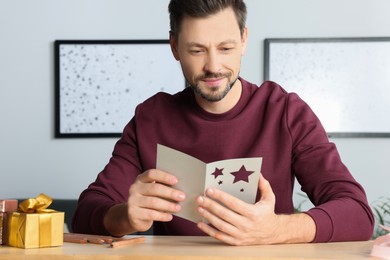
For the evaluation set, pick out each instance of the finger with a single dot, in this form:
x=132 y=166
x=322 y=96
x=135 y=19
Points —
x=146 y=215
x=213 y=206
x=158 y=190
x=222 y=218
x=212 y=232
x=219 y=221
x=156 y=203
x=159 y=176
x=156 y=183
x=267 y=194
x=228 y=200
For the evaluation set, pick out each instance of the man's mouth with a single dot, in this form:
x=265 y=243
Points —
x=213 y=82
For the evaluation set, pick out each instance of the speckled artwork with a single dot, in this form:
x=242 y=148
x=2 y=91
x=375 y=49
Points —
x=346 y=83
x=101 y=84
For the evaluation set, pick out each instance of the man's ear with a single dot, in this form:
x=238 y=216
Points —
x=173 y=43
x=244 y=39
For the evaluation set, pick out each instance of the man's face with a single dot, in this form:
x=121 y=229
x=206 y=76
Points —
x=209 y=50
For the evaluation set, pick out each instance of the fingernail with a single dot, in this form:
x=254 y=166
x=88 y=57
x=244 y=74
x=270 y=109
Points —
x=181 y=196
x=200 y=200
x=210 y=192
x=174 y=181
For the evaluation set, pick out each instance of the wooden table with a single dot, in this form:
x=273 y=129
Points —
x=183 y=248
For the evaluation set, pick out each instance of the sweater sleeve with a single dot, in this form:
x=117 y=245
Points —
x=110 y=187
x=341 y=211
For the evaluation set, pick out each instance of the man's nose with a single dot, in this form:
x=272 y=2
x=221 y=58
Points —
x=213 y=64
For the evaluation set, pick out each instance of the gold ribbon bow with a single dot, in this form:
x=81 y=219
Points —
x=42 y=232
x=39 y=204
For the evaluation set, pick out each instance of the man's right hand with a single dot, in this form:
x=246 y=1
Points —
x=151 y=198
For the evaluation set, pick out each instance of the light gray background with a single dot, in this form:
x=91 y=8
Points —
x=32 y=161
x=345 y=82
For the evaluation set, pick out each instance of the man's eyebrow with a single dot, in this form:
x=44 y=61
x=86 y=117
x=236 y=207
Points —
x=194 y=44
x=197 y=44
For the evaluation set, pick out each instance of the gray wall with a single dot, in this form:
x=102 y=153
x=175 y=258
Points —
x=32 y=161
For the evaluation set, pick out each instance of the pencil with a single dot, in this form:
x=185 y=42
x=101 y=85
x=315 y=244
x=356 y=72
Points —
x=93 y=239
x=127 y=242
x=73 y=239
x=89 y=235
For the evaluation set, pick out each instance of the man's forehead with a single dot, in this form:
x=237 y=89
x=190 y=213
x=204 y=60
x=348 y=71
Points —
x=222 y=25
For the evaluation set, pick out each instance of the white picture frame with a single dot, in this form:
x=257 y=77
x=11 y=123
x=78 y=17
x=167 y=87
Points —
x=100 y=83
x=346 y=81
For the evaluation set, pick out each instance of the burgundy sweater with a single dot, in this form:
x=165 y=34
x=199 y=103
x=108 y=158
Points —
x=267 y=122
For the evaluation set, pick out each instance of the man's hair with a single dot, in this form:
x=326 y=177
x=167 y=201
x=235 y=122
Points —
x=178 y=9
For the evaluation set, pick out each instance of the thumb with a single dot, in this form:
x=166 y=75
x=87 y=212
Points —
x=266 y=192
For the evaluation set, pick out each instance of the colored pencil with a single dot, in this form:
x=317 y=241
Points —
x=93 y=239
x=127 y=242
x=73 y=239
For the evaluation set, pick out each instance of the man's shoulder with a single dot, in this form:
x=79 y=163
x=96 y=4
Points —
x=162 y=100
x=268 y=86
x=273 y=87
x=268 y=89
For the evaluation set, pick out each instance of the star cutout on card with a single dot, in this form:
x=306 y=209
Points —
x=241 y=175
x=217 y=172
x=220 y=182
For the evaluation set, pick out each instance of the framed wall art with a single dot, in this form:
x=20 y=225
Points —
x=346 y=81
x=98 y=84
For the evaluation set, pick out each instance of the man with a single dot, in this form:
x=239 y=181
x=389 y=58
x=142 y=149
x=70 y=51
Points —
x=222 y=116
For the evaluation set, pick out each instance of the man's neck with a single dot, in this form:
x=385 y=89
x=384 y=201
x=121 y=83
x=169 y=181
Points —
x=227 y=103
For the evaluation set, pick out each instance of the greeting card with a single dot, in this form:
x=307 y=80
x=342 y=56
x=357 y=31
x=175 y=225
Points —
x=238 y=177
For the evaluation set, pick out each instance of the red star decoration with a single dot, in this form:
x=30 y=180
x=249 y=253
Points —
x=241 y=175
x=217 y=172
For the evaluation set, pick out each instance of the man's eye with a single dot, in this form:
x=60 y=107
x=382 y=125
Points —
x=226 y=49
x=195 y=51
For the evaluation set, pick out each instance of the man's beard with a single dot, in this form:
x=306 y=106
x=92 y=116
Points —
x=215 y=96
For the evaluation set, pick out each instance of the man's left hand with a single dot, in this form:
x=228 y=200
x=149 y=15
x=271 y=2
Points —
x=238 y=223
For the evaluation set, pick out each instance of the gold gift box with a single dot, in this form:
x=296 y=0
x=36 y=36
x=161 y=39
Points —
x=42 y=228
